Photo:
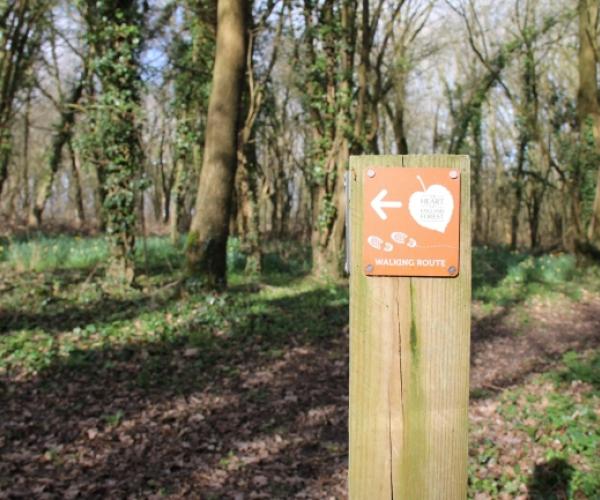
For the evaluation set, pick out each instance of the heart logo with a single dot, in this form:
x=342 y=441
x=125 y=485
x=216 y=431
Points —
x=431 y=208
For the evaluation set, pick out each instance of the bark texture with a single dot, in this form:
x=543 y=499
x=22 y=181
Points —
x=207 y=240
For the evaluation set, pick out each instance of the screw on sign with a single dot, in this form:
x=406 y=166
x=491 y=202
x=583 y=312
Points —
x=412 y=222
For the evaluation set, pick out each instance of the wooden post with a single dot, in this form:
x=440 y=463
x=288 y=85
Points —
x=409 y=363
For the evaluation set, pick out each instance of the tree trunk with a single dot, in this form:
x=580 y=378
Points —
x=114 y=29
x=533 y=215
x=588 y=105
x=64 y=130
x=77 y=185
x=176 y=199
x=246 y=191
x=5 y=153
x=395 y=110
x=247 y=182
x=329 y=219
x=518 y=183
x=476 y=177
x=162 y=199
x=207 y=240
x=21 y=30
x=593 y=232
x=331 y=127
x=26 y=135
x=99 y=197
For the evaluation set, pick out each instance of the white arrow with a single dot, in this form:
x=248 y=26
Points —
x=378 y=204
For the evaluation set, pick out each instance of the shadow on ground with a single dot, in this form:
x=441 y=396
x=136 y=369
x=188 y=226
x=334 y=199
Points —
x=259 y=406
x=504 y=351
x=262 y=409
x=551 y=480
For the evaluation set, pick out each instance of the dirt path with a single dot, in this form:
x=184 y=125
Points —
x=263 y=428
x=509 y=344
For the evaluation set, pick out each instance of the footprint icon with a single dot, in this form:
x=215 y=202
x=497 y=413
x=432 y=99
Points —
x=399 y=237
x=376 y=242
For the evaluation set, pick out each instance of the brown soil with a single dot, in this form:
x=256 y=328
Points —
x=272 y=429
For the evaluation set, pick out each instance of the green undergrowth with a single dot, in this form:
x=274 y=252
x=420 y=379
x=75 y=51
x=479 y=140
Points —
x=57 y=321
x=66 y=252
x=281 y=261
x=55 y=309
x=203 y=327
x=502 y=277
x=63 y=318
x=543 y=439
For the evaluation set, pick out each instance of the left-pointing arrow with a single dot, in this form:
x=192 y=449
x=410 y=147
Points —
x=378 y=204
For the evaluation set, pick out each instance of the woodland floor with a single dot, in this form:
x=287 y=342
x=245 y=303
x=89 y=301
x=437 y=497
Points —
x=169 y=392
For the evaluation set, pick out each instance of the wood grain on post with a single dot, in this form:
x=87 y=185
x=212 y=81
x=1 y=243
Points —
x=409 y=363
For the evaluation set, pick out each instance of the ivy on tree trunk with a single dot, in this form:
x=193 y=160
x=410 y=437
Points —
x=114 y=31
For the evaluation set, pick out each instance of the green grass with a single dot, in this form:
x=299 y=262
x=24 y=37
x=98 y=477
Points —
x=62 y=252
x=39 y=253
x=66 y=252
x=505 y=278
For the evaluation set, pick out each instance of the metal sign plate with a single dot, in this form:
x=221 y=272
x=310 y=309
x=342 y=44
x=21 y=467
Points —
x=411 y=222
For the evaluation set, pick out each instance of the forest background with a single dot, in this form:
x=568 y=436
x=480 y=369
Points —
x=104 y=116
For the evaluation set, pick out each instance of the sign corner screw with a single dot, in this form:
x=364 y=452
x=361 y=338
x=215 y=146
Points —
x=453 y=174
x=369 y=268
x=452 y=270
x=371 y=173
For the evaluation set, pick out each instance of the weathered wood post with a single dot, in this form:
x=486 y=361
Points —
x=410 y=296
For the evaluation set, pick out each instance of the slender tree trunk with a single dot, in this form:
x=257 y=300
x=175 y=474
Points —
x=328 y=228
x=21 y=30
x=593 y=232
x=246 y=186
x=476 y=177
x=76 y=184
x=533 y=215
x=166 y=206
x=5 y=153
x=162 y=199
x=247 y=174
x=495 y=228
x=528 y=131
x=588 y=104
x=398 y=126
x=176 y=199
x=283 y=207
x=99 y=197
x=395 y=111
x=26 y=127
x=207 y=240
x=516 y=210
x=64 y=130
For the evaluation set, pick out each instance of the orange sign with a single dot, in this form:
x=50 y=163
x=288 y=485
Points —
x=411 y=222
